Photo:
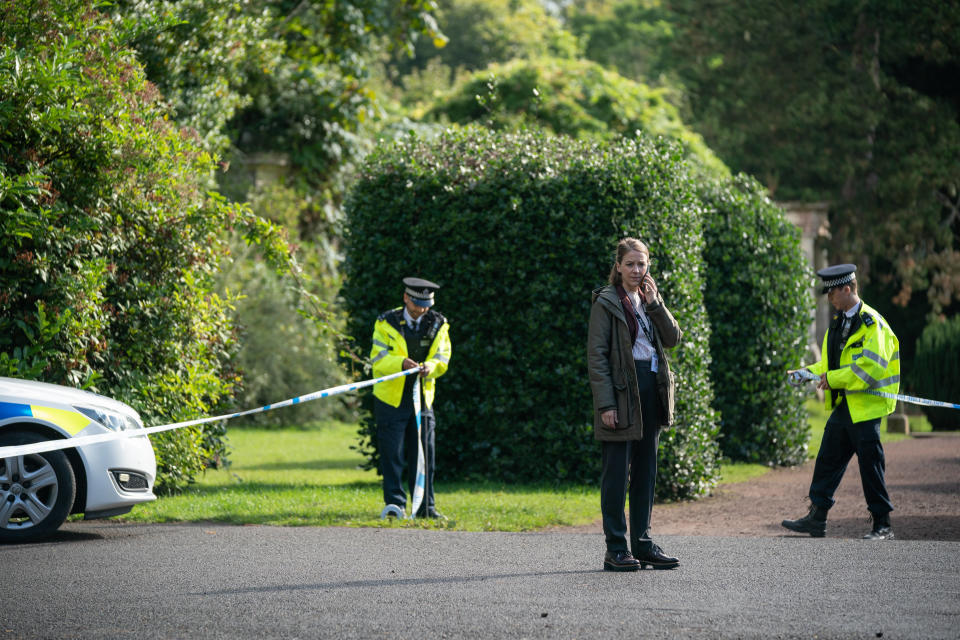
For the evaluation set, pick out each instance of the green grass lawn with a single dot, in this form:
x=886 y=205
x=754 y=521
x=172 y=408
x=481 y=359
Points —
x=312 y=477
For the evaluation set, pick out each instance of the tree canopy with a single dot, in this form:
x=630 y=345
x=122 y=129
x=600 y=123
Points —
x=857 y=104
x=286 y=76
x=483 y=32
x=577 y=98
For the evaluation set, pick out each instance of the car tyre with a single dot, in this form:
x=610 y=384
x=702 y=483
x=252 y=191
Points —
x=36 y=490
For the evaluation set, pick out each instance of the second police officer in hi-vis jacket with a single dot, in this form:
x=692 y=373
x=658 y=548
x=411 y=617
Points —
x=860 y=352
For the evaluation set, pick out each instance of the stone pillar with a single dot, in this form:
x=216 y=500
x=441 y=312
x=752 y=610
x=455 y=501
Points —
x=898 y=422
x=811 y=218
x=267 y=167
x=252 y=171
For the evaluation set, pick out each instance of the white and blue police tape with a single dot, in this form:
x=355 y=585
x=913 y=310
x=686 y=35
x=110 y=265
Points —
x=81 y=441
x=800 y=376
x=421 y=460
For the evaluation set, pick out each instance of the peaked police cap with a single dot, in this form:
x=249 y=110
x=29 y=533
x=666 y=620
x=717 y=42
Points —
x=837 y=275
x=420 y=291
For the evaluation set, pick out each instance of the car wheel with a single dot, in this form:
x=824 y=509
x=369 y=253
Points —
x=36 y=490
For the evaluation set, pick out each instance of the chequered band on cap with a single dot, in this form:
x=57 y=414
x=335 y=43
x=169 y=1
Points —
x=420 y=291
x=420 y=294
x=836 y=282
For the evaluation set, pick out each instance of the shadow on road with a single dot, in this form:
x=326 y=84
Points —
x=390 y=582
x=56 y=537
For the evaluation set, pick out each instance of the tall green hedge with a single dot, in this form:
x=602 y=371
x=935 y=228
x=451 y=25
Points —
x=758 y=298
x=518 y=229
x=936 y=371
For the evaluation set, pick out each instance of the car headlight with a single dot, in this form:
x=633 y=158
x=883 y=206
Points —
x=109 y=419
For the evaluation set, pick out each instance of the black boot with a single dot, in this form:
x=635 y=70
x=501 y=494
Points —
x=881 y=527
x=814 y=523
x=655 y=558
x=620 y=561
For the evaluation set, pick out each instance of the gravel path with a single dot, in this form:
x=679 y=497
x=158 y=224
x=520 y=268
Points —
x=923 y=478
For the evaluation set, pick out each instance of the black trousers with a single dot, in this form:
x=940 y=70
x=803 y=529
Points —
x=842 y=437
x=632 y=464
x=397 y=444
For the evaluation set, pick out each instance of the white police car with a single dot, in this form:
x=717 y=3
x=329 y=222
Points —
x=39 y=490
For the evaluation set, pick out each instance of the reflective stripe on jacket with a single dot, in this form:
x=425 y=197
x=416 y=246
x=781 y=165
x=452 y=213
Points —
x=870 y=360
x=389 y=351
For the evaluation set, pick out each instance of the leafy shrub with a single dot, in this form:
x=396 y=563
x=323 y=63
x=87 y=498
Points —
x=758 y=299
x=109 y=239
x=483 y=31
x=281 y=353
x=936 y=371
x=518 y=229
x=572 y=97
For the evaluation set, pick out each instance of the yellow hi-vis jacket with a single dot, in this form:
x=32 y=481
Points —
x=390 y=349
x=870 y=360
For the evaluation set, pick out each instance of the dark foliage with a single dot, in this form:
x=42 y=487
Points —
x=936 y=374
x=758 y=298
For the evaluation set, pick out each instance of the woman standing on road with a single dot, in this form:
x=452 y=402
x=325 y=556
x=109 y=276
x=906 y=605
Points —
x=632 y=399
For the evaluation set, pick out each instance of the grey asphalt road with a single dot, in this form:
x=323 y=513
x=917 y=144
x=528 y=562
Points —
x=109 y=580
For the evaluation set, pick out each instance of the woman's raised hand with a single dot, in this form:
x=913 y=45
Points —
x=648 y=289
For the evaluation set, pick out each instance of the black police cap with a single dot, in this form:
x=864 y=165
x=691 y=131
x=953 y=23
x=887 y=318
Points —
x=837 y=275
x=420 y=291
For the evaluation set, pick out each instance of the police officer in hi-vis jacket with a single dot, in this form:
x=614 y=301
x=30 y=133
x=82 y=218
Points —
x=861 y=353
x=410 y=336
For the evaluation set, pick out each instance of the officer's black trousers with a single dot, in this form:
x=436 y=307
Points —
x=397 y=444
x=633 y=464
x=841 y=439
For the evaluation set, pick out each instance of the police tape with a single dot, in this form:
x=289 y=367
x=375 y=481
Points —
x=420 y=482
x=800 y=376
x=392 y=510
x=82 y=441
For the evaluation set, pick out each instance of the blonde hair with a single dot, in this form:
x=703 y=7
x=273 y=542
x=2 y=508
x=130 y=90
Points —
x=624 y=247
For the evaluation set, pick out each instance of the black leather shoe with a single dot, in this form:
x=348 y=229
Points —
x=814 y=523
x=657 y=559
x=881 y=528
x=620 y=561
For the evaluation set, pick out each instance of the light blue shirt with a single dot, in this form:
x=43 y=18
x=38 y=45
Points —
x=414 y=324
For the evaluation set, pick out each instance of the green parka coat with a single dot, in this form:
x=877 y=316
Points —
x=613 y=376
